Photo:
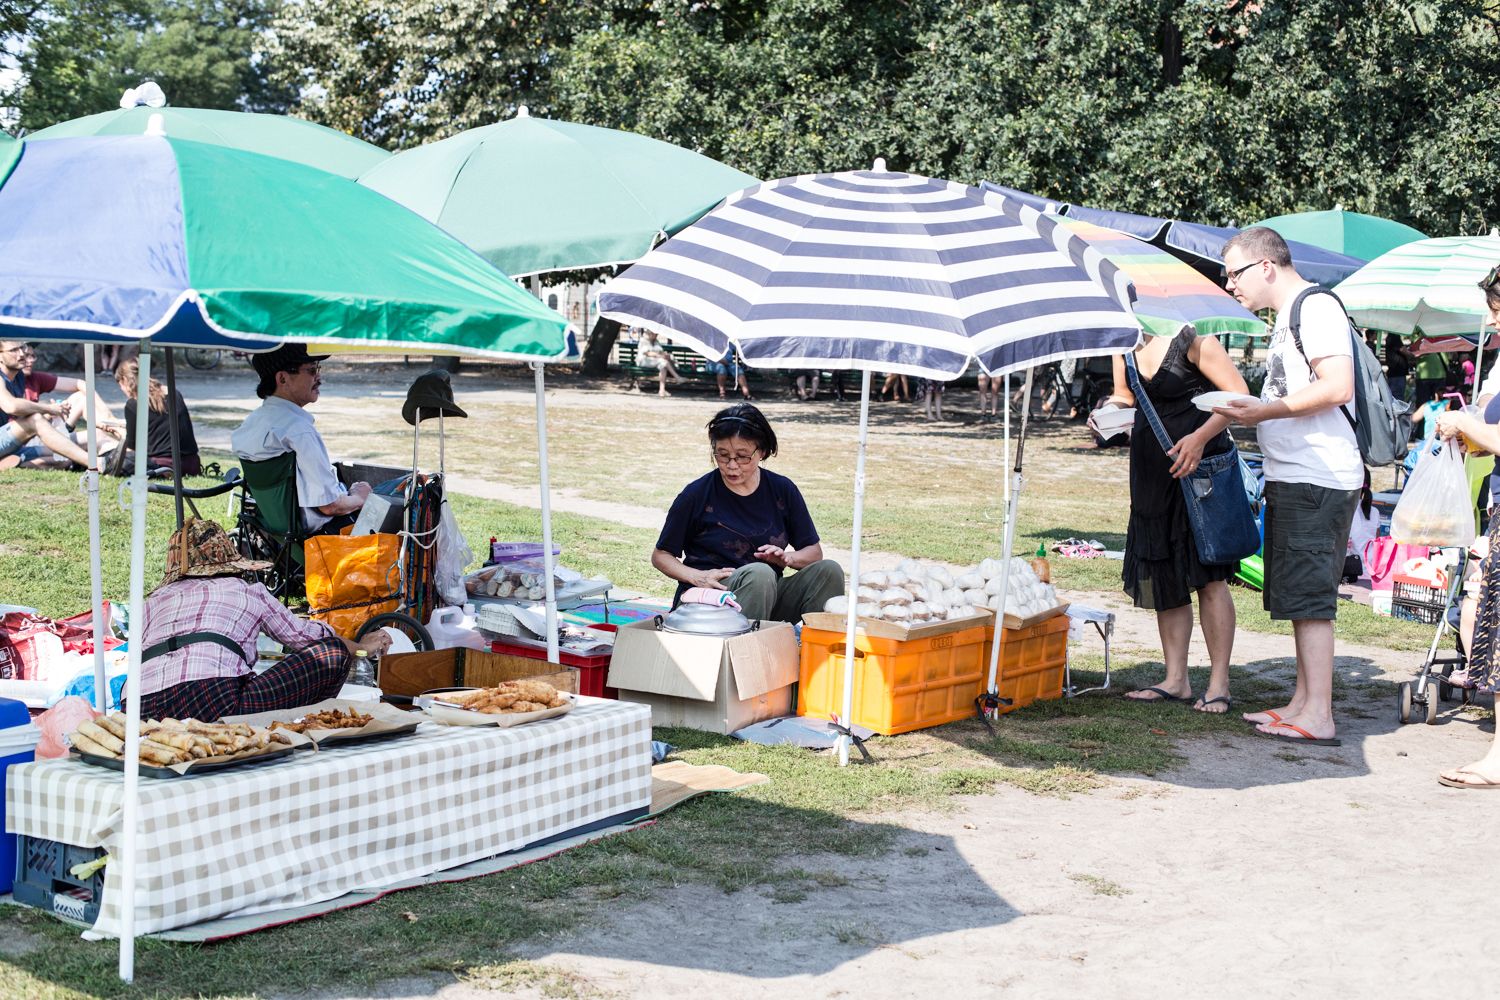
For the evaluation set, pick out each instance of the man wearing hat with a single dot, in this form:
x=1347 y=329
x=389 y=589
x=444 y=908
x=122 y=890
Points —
x=290 y=378
x=200 y=630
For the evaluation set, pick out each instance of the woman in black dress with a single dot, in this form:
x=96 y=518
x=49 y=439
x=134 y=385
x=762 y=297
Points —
x=1161 y=569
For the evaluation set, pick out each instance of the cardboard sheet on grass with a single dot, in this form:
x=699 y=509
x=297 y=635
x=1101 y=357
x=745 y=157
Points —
x=672 y=784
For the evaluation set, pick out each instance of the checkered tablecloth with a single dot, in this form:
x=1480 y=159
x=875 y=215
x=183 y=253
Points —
x=314 y=826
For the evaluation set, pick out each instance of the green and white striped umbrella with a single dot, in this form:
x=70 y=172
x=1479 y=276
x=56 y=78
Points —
x=1429 y=285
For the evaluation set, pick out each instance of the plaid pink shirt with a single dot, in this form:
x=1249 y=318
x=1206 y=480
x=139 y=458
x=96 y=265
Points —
x=227 y=605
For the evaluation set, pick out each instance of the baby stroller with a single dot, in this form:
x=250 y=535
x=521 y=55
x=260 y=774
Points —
x=1413 y=600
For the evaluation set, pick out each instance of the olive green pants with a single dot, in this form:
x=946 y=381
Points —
x=766 y=596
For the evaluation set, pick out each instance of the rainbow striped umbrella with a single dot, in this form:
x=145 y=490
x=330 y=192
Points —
x=1170 y=294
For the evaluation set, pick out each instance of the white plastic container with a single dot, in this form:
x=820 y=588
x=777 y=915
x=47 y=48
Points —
x=450 y=627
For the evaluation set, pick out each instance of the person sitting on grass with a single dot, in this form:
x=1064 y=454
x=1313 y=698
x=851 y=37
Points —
x=740 y=527
x=28 y=434
x=159 y=424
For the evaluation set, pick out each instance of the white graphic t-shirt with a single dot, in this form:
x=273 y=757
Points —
x=1320 y=448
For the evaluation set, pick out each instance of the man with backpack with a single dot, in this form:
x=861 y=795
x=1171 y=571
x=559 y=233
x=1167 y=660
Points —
x=1313 y=466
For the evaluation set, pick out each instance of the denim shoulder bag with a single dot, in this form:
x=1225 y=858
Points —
x=1224 y=528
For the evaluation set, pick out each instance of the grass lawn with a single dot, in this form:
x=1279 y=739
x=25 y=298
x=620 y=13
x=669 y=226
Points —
x=780 y=839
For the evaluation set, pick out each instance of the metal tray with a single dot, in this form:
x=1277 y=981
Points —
x=157 y=771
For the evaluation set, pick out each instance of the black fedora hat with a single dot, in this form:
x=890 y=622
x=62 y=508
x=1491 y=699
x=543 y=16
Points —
x=286 y=358
x=431 y=394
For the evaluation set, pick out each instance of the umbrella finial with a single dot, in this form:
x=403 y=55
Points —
x=156 y=125
x=148 y=94
x=523 y=111
x=879 y=166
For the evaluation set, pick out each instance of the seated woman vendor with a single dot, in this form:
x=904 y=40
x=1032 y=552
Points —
x=740 y=527
x=201 y=625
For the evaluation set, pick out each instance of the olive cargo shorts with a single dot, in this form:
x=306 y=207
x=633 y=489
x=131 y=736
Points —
x=1307 y=532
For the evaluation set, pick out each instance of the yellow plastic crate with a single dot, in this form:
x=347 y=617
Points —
x=899 y=684
x=1033 y=662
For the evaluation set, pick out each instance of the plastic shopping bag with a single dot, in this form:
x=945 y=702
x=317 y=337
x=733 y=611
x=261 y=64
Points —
x=1435 y=508
x=351 y=578
x=453 y=557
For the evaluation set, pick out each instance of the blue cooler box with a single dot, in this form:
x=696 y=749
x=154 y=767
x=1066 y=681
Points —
x=17 y=746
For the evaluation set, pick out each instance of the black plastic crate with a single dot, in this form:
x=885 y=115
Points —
x=1416 y=602
x=43 y=879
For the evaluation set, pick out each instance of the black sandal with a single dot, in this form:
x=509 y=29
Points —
x=1161 y=696
x=1201 y=705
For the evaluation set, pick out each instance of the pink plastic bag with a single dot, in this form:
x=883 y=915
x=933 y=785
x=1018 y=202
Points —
x=60 y=720
x=1383 y=558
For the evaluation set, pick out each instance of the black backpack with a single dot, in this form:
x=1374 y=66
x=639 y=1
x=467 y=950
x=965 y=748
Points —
x=1381 y=428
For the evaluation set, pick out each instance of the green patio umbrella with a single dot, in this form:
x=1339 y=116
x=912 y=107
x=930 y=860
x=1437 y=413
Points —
x=202 y=245
x=271 y=135
x=533 y=195
x=1349 y=233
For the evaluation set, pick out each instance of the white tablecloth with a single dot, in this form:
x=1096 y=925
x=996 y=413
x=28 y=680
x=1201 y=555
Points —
x=317 y=825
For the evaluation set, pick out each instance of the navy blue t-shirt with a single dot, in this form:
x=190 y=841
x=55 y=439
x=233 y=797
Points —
x=709 y=526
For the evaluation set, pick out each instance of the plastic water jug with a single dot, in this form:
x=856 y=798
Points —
x=451 y=627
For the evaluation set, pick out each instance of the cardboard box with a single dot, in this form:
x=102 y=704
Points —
x=719 y=684
x=413 y=673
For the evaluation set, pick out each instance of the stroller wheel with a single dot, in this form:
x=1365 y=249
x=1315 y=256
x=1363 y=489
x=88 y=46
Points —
x=1432 y=707
x=1403 y=702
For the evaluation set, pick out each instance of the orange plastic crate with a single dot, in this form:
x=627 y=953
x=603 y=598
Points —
x=1033 y=662
x=899 y=684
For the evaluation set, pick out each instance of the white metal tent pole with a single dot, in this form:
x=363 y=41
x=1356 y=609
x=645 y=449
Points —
x=96 y=561
x=1005 y=451
x=1478 y=361
x=545 y=486
x=850 y=616
x=1008 y=541
x=129 y=812
x=549 y=565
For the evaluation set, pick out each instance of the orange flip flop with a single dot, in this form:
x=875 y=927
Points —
x=1304 y=737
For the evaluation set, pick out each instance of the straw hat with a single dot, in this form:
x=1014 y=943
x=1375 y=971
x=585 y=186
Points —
x=204 y=548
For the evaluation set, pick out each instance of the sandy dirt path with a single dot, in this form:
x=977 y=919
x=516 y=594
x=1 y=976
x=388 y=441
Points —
x=1254 y=869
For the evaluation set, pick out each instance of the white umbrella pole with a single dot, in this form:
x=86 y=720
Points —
x=549 y=567
x=1008 y=535
x=545 y=487
x=1005 y=452
x=130 y=810
x=96 y=561
x=850 y=616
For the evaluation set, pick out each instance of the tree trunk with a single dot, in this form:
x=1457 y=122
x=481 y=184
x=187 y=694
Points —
x=596 y=352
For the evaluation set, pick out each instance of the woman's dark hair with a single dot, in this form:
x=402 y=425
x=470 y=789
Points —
x=1366 y=498
x=1491 y=286
x=744 y=421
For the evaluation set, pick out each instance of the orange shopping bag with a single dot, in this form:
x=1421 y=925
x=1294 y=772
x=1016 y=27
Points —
x=351 y=579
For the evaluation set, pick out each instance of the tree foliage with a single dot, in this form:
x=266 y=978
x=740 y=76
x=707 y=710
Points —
x=1224 y=111
x=78 y=56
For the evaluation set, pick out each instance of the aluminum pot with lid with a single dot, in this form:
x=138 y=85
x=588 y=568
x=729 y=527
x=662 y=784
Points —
x=705 y=619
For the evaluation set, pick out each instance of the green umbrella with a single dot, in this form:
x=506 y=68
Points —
x=1349 y=233
x=271 y=135
x=201 y=245
x=533 y=195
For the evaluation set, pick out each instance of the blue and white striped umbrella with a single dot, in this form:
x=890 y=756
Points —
x=878 y=270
